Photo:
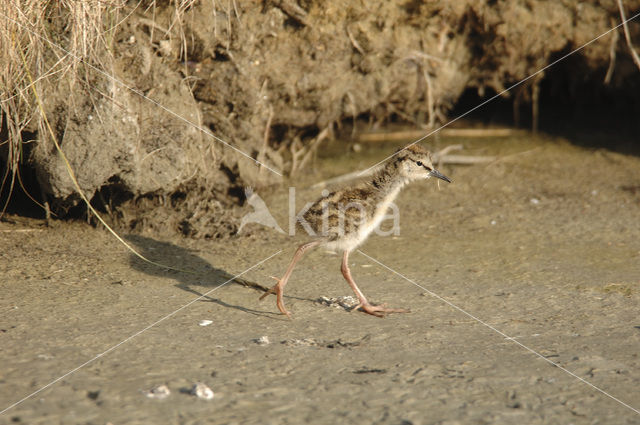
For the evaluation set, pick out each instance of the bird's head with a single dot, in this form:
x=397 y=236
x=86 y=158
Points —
x=414 y=163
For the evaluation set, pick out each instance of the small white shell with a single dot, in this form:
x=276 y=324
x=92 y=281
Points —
x=159 y=392
x=200 y=390
x=263 y=340
x=205 y=322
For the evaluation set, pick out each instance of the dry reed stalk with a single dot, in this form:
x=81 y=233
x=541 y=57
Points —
x=445 y=132
x=612 y=53
x=627 y=35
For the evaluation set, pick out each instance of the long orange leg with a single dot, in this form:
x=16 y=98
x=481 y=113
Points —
x=375 y=310
x=278 y=288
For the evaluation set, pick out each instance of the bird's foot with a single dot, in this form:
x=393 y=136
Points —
x=379 y=310
x=277 y=290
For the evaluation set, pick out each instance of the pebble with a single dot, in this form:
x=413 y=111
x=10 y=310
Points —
x=205 y=322
x=263 y=340
x=202 y=391
x=160 y=392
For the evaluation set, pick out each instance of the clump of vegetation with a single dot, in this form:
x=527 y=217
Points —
x=56 y=46
x=43 y=43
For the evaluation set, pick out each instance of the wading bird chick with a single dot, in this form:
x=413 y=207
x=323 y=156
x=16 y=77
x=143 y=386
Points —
x=344 y=219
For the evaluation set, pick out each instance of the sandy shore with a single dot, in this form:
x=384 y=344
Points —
x=527 y=263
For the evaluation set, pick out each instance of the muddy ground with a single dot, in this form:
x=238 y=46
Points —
x=540 y=249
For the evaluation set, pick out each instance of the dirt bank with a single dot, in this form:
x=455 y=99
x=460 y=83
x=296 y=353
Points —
x=147 y=86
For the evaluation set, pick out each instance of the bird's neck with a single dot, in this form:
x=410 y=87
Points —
x=388 y=181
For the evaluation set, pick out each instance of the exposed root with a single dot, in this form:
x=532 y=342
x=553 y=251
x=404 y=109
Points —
x=627 y=35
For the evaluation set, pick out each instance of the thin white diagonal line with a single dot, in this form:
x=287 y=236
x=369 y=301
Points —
x=135 y=335
x=500 y=333
x=142 y=95
x=501 y=93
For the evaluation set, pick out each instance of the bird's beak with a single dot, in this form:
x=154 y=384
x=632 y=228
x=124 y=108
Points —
x=438 y=174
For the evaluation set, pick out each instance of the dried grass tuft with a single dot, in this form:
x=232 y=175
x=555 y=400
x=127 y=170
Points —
x=83 y=39
x=84 y=30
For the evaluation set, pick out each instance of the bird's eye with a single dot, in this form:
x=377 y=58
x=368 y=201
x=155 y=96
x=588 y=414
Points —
x=419 y=163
